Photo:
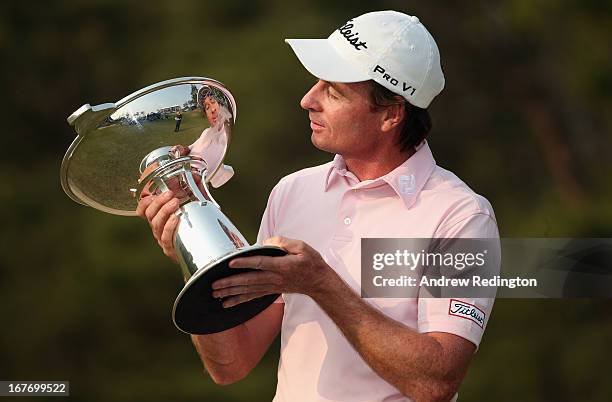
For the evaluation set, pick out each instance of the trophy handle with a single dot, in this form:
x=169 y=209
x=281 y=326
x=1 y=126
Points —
x=161 y=185
x=194 y=187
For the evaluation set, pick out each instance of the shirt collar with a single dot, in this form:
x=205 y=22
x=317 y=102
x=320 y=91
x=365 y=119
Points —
x=407 y=180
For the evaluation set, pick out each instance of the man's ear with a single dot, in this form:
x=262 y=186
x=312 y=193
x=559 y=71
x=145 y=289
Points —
x=393 y=116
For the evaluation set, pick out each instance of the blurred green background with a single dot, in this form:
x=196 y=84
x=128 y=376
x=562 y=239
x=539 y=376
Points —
x=525 y=120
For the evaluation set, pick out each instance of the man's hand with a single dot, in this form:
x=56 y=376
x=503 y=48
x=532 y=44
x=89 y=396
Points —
x=180 y=150
x=302 y=270
x=159 y=211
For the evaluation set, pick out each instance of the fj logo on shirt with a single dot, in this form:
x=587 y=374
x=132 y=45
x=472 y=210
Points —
x=467 y=311
x=393 y=81
x=352 y=37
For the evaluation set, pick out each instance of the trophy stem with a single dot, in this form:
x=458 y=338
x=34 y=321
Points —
x=205 y=242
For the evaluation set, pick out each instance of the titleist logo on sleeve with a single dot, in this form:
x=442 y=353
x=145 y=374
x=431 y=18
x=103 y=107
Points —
x=467 y=311
x=352 y=37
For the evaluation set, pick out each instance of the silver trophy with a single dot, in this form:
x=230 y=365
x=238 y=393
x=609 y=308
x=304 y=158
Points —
x=172 y=135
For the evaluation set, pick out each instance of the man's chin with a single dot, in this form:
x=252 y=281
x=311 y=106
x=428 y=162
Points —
x=320 y=144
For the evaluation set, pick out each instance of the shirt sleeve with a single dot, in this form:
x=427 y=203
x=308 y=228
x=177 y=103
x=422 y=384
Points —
x=197 y=144
x=267 y=226
x=465 y=317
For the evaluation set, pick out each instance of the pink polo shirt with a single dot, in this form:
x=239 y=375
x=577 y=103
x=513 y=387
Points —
x=330 y=209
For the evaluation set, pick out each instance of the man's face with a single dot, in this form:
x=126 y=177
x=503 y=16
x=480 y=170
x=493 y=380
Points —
x=341 y=118
x=211 y=108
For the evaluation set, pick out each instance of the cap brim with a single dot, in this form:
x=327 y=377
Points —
x=322 y=61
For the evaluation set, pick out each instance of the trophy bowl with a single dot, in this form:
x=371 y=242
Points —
x=169 y=136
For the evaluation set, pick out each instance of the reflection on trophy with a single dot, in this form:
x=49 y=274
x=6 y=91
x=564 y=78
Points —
x=170 y=136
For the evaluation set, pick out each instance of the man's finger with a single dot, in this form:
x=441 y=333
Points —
x=259 y=262
x=277 y=241
x=235 y=300
x=167 y=235
x=162 y=216
x=157 y=203
x=143 y=204
x=244 y=289
x=292 y=246
x=247 y=279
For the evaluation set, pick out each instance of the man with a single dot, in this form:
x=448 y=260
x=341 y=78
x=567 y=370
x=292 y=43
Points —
x=377 y=75
x=212 y=143
x=178 y=118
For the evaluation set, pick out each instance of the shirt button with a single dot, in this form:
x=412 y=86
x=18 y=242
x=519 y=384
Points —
x=347 y=221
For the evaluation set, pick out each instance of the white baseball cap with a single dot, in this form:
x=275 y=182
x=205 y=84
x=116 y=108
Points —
x=389 y=47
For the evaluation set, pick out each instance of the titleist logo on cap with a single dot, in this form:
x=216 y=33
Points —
x=352 y=37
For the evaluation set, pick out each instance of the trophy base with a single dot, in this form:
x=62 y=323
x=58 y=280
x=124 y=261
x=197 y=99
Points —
x=197 y=312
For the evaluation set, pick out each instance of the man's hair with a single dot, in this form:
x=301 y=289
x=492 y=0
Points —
x=416 y=124
x=210 y=91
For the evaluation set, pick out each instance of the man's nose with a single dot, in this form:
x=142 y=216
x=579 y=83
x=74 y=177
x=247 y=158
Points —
x=310 y=101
